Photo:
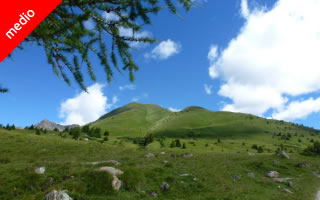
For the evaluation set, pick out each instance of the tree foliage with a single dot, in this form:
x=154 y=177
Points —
x=69 y=45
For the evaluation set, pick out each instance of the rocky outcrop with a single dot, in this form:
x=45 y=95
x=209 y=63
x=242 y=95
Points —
x=47 y=125
x=273 y=174
x=58 y=195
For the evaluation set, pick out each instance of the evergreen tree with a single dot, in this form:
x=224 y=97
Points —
x=178 y=143
x=106 y=133
x=68 y=43
x=85 y=129
x=184 y=146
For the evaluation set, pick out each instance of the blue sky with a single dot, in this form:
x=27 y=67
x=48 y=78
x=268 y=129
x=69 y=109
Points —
x=244 y=56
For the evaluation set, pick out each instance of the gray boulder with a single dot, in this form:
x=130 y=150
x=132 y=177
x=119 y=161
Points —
x=40 y=170
x=164 y=186
x=58 y=195
x=149 y=155
x=303 y=165
x=113 y=171
x=187 y=155
x=154 y=194
x=283 y=154
x=273 y=174
x=116 y=183
x=281 y=180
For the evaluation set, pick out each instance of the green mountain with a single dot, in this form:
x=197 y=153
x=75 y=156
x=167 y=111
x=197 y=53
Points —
x=137 y=119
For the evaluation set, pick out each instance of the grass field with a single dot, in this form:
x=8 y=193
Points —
x=221 y=144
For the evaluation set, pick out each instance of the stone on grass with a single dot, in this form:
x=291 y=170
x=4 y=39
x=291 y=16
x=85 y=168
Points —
x=113 y=171
x=40 y=170
x=173 y=155
x=162 y=153
x=165 y=161
x=116 y=183
x=287 y=190
x=273 y=174
x=303 y=165
x=154 y=194
x=85 y=139
x=275 y=162
x=187 y=155
x=251 y=154
x=58 y=195
x=149 y=155
x=283 y=154
x=184 y=175
x=236 y=178
x=164 y=186
x=281 y=180
x=290 y=183
x=251 y=175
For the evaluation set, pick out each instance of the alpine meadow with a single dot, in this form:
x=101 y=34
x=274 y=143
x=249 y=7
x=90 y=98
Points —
x=164 y=99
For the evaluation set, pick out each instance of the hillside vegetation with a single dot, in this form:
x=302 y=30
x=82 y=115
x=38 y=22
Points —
x=220 y=156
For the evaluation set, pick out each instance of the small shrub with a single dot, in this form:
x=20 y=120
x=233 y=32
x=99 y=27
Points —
x=98 y=182
x=184 y=146
x=133 y=180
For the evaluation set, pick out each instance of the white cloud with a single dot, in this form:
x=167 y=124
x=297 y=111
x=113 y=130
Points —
x=115 y=100
x=89 y=24
x=138 y=98
x=208 y=89
x=110 y=16
x=212 y=56
x=274 y=57
x=164 y=50
x=298 y=109
x=174 y=109
x=84 y=107
x=244 y=8
x=127 y=87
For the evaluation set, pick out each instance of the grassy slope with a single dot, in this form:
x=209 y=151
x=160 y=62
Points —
x=134 y=119
x=139 y=119
x=23 y=151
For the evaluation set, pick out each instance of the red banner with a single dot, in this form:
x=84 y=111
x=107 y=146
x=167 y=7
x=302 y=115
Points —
x=18 y=18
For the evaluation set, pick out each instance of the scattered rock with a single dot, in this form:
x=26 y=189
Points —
x=149 y=155
x=236 y=178
x=287 y=190
x=184 y=175
x=283 y=154
x=290 y=184
x=316 y=173
x=251 y=154
x=85 y=139
x=165 y=161
x=154 y=194
x=116 y=183
x=164 y=186
x=40 y=170
x=113 y=171
x=303 y=165
x=162 y=153
x=251 y=175
x=273 y=174
x=173 y=155
x=195 y=179
x=187 y=155
x=58 y=195
x=281 y=180
x=105 y=161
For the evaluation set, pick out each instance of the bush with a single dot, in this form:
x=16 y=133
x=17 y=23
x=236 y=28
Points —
x=106 y=133
x=38 y=132
x=313 y=149
x=184 y=146
x=178 y=143
x=105 y=138
x=98 y=182
x=133 y=180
